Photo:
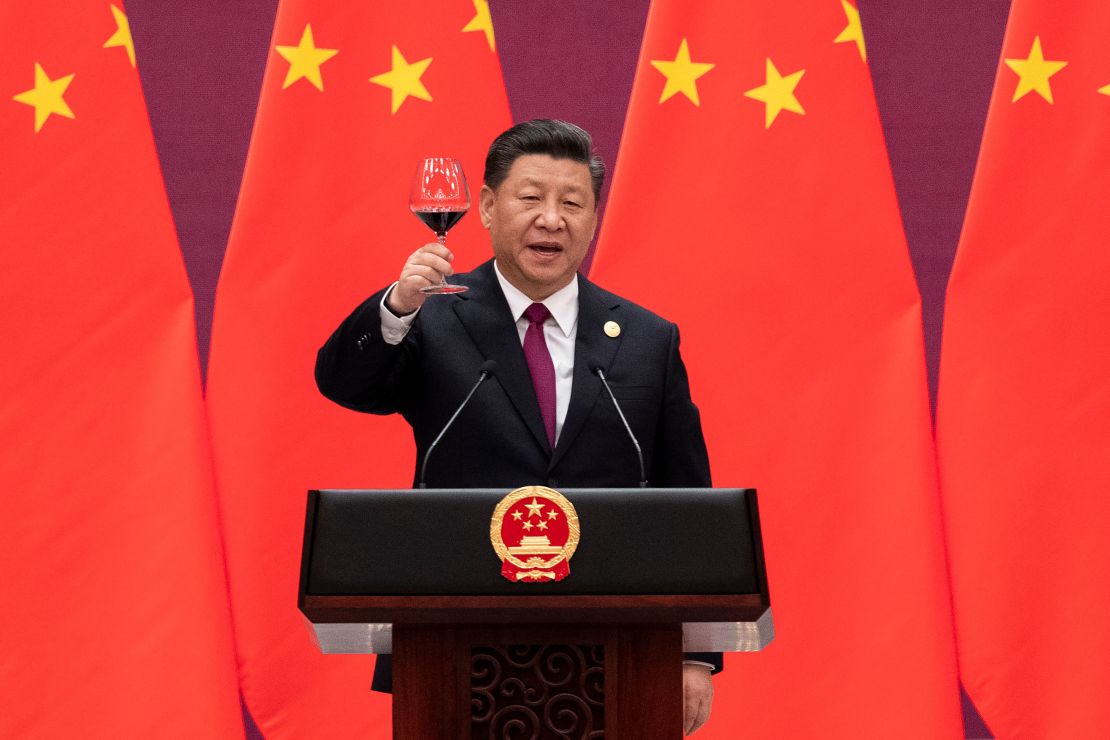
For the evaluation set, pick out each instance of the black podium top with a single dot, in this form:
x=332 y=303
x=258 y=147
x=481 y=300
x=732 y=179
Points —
x=437 y=542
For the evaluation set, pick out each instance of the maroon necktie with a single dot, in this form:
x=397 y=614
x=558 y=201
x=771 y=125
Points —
x=541 y=366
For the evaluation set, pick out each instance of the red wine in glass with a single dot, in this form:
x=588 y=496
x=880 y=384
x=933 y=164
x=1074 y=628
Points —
x=440 y=198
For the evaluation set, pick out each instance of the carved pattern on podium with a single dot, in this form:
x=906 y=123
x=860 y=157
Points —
x=537 y=692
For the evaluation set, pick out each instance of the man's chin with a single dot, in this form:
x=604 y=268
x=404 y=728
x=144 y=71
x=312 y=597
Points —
x=544 y=282
x=553 y=279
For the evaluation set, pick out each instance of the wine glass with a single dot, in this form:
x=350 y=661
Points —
x=440 y=198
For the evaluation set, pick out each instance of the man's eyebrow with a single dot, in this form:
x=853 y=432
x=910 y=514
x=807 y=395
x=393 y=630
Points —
x=574 y=187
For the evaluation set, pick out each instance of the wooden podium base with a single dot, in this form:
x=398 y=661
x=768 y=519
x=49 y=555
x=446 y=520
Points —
x=537 y=681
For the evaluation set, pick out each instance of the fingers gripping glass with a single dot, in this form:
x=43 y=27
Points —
x=440 y=198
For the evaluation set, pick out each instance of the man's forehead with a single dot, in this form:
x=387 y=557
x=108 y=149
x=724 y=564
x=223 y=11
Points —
x=543 y=169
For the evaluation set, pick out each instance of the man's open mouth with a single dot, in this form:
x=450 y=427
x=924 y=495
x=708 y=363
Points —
x=545 y=249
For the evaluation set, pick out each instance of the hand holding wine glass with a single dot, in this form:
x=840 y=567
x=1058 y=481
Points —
x=425 y=267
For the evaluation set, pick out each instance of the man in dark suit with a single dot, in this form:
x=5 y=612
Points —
x=544 y=417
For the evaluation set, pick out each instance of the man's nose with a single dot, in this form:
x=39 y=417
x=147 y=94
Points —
x=550 y=218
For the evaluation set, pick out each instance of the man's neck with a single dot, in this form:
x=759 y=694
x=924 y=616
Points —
x=537 y=296
x=563 y=303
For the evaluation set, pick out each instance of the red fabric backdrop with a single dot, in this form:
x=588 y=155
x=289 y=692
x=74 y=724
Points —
x=201 y=62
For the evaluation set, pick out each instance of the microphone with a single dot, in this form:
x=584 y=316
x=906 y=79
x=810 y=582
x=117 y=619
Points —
x=600 y=373
x=488 y=368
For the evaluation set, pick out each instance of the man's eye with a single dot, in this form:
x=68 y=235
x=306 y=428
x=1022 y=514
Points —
x=530 y=198
x=572 y=203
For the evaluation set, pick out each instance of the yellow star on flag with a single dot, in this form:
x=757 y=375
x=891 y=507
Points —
x=1034 y=73
x=305 y=60
x=403 y=80
x=122 y=36
x=46 y=97
x=482 y=21
x=777 y=93
x=534 y=509
x=682 y=74
x=1105 y=90
x=854 y=30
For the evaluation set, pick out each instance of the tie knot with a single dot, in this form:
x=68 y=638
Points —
x=537 y=313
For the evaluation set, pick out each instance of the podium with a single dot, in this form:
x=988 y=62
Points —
x=483 y=652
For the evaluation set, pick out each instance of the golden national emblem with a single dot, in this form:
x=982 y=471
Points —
x=534 y=530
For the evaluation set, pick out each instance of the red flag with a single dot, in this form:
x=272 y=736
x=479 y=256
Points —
x=114 y=602
x=355 y=94
x=753 y=204
x=1023 y=417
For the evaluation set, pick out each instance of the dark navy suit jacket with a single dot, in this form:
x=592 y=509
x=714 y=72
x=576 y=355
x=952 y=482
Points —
x=499 y=439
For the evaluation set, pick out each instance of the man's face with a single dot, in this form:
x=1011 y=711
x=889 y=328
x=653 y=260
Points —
x=541 y=220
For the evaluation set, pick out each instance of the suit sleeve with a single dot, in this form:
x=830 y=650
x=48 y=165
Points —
x=682 y=459
x=357 y=369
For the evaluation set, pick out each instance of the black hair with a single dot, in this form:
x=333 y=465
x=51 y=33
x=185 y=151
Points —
x=557 y=139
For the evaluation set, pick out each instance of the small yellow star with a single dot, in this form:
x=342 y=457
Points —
x=854 y=30
x=534 y=509
x=552 y=514
x=543 y=525
x=46 y=97
x=403 y=80
x=527 y=525
x=122 y=36
x=305 y=60
x=777 y=93
x=482 y=21
x=682 y=74
x=1105 y=90
x=1034 y=73
x=517 y=515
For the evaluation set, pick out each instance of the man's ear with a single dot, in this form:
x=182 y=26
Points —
x=485 y=205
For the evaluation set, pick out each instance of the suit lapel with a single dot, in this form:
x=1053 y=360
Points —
x=485 y=315
x=592 y=348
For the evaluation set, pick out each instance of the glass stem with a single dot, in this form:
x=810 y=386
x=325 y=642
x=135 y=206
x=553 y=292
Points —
x=442 y=239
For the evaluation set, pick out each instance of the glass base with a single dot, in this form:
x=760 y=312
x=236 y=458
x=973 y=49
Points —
x=443 y=288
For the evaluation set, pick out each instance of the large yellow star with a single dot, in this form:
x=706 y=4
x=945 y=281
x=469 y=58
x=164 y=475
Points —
x=854 y=30
x=122 y=36
x=46 y=97
x=682 y=74
x=482 y=21
x=403 y=79
x=1034 y=72
x=534 y=509
x=305 y=60
x=1105 y=90
x=777 y=93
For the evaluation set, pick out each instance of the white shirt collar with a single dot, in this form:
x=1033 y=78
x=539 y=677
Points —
x=563 y=303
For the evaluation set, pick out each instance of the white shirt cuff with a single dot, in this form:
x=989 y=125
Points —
x=710 y=666
x=394 y=328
